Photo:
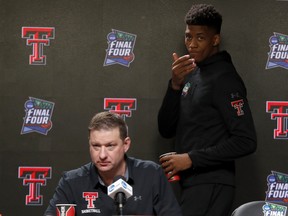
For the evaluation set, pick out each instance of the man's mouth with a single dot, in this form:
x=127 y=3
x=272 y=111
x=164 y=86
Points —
x=101 y=163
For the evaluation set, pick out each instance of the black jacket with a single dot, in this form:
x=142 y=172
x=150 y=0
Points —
x=211 y=121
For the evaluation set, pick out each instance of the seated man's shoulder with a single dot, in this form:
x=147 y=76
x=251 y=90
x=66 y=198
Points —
x=145 y=164
x=82 y=171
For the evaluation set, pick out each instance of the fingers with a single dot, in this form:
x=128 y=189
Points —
x=183 y=65
x=175 y=56
x=168 y=169
x=183 y=60
x=186 y=69
x=165 y=159
x=164 y=164
x=167 y=163
x=180 y=70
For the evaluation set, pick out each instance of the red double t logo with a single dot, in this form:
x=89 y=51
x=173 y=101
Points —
x=34 y=177
x=279 y=112
x=38 y=37
x=121 y=106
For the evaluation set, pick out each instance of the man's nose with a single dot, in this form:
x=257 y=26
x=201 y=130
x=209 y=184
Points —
x=103 y=152
x=193 y=43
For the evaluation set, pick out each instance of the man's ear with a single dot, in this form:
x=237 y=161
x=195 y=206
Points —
x=217 y=40
x=127 y=143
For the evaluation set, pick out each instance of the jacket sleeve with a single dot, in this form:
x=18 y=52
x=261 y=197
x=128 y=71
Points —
x=232 y=105
x=168 y=113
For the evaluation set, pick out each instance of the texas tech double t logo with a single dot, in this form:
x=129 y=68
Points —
x=90 y=197
x=38 y=37
x=238 y=105
x=121 y=106
x=34 y=177
x=278 y=110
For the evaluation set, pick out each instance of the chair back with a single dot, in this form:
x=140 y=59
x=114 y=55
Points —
x=254 y=208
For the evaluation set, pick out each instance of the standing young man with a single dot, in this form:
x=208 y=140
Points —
x=87 y=186
x=206 y=109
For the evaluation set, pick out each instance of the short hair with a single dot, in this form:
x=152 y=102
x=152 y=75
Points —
x=107 y=121
x=204 y=14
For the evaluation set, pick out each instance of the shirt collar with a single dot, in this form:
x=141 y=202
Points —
x=95 y=177
x=126 y=176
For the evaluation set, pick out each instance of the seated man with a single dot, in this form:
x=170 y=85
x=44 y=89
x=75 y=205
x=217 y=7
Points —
x=108 y=144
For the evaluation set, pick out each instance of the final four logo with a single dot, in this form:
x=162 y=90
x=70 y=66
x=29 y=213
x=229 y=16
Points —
x=277 y=187
x=271 y=209
x=278 y=55
x=120 y=48
x=38 y=116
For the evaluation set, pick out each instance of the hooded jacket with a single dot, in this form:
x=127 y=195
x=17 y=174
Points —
x=211 y=120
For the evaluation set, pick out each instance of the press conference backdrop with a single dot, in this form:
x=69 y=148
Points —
x=64 y=60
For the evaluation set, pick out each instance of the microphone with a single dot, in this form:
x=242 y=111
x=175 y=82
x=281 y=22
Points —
x=120 y=190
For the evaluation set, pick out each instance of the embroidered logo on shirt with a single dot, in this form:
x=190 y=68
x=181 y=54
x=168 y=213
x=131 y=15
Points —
x=90 y=197
x=186 y=89
x=137 y=198
x=235 y=95
x=238 y=104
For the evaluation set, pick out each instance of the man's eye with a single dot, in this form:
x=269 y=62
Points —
x=111 y=146
x=96 y=146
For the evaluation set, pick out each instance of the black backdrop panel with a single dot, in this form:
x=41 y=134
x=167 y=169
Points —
x=75 y=79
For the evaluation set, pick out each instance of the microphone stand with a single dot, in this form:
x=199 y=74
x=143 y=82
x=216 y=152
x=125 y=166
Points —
x=120 y=200
x=120 y=210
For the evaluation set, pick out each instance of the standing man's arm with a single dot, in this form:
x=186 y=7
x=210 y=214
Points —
x=168 y=113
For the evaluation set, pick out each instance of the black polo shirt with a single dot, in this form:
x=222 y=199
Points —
x=152 y=193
